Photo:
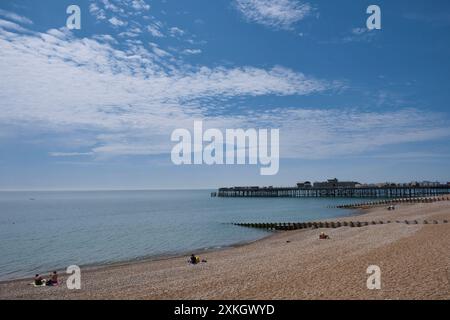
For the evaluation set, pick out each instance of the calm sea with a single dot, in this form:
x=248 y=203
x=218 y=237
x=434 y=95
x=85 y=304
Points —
x=43 y=231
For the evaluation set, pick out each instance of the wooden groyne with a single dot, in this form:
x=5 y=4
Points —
x=287 y=226
x=392 y=202
x=339 y=192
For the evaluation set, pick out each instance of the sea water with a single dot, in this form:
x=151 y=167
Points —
x=45 y=231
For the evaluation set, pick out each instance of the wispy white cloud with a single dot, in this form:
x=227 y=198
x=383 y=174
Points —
x=192 y=51
x=324 y=133
x=111 y=6
x=155 y=30
x=117 y=22
x=70 y=154
x=129 y=99
x=354 y=35
x=175 y=31
x=360 y=35
x=281 y=14
x=104 y=38
x=132 y=32
x=15 y=17
x=97 y=12
x=158 y=51
x=8 y=25
x=140 y=5
x=131 y=17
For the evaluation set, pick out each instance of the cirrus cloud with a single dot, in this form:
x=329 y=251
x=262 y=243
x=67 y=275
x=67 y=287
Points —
x=280 y=14
x=126 y=100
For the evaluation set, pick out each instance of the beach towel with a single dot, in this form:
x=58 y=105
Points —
x=37 y=285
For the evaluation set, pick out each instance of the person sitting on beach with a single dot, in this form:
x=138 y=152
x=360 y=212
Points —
x=38 y=281
x=193 y=259
x=323 y=236
x=53 y=281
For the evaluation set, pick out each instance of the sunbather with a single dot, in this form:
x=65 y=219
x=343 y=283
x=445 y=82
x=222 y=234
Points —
x=323 y=236
x=53 y=281
x=38 y=281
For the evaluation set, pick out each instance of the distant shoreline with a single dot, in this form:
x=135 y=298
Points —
x=103 y=190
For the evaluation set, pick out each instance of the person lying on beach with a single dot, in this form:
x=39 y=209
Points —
x=323 y=236
x=53 y=281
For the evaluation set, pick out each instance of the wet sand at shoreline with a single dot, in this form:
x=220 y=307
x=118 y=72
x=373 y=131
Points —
x=414 y=262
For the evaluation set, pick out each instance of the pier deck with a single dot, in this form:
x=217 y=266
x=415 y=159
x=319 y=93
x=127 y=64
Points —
x=359 y=192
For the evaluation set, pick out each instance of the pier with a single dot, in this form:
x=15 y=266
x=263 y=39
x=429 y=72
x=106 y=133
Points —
x=336 y=189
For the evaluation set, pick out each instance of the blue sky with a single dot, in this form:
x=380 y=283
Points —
x=94 y=108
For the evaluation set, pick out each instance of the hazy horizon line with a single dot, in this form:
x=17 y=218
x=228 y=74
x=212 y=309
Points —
x=104 y=189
